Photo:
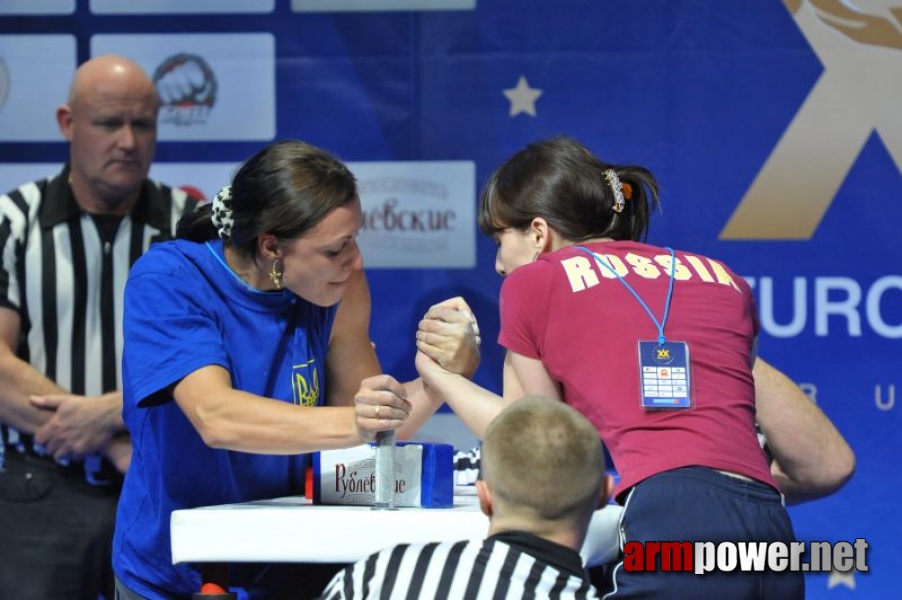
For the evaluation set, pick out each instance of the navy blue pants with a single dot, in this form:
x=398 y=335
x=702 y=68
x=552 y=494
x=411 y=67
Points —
x=56 y=531
x=699 y=504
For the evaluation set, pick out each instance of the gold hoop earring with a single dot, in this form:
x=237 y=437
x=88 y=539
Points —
x=276 y=275
x=536 y=255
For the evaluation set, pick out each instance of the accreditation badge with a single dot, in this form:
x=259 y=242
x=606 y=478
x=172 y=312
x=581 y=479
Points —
x=664 y=374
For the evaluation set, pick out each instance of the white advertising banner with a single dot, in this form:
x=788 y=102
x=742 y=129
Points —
x=162 y=7
x=212 y=86
x=348 y=476
x=12 y=175
x=37 y=7
x=35 y=72
x=417 y=214
x=204 y=179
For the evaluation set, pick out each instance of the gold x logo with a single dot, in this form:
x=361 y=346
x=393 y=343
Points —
x=663 y=353
x=857 y=94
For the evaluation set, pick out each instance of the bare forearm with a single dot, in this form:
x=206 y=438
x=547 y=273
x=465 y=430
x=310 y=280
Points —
x=119 y=452
x=812 y=459
x=18 y=381
x=249 y=423
x=424 y=404
x=474 y=405
x=797 y=490
x=112 y=403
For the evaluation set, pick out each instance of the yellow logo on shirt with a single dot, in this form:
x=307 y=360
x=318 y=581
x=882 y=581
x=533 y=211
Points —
x=305 y=383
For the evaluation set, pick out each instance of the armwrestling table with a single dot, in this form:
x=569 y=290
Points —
x=291 y=529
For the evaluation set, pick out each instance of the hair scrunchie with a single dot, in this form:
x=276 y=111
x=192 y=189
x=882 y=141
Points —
x=222 y=212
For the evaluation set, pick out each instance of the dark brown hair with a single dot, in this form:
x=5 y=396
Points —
x=561 y=181
x=285 y=189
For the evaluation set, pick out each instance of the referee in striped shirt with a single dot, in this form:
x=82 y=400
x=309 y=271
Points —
x=542 y=478
x=67 y=244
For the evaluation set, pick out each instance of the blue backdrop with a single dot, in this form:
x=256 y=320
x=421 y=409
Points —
x=772 y=126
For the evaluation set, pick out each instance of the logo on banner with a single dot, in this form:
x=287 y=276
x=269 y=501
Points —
x=417 y=214
x=194 y=191
x=4 y=82
x=187 y=88
x=856 y=95
x=407 y=218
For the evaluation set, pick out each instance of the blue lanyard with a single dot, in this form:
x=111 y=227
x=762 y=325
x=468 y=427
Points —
x=229 y=270
x=660 y=326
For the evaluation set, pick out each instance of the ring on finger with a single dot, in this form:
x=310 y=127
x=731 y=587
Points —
x=378 y=406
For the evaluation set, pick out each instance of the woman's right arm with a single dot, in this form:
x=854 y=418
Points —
x=174 y=348
x=235 y=420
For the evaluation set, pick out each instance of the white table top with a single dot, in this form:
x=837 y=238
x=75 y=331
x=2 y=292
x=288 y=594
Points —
x=291 y=529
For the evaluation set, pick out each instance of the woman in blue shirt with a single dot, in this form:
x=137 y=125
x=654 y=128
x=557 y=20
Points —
x=232 y=368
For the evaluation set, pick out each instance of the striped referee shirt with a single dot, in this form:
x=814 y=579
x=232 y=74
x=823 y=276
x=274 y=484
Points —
x=64 y=271
x=509 y=565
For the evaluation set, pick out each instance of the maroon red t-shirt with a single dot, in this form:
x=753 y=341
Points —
x=578 y=318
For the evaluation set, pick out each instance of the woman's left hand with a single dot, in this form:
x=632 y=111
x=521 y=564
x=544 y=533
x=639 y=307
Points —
x=380 y=405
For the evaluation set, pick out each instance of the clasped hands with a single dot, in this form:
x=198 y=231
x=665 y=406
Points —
x=447 y=340
x=82 y=425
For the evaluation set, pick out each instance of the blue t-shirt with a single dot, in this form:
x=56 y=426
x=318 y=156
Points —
x=186 y=309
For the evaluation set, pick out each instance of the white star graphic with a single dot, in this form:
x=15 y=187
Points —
x=523 y=98
x=846 y=578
